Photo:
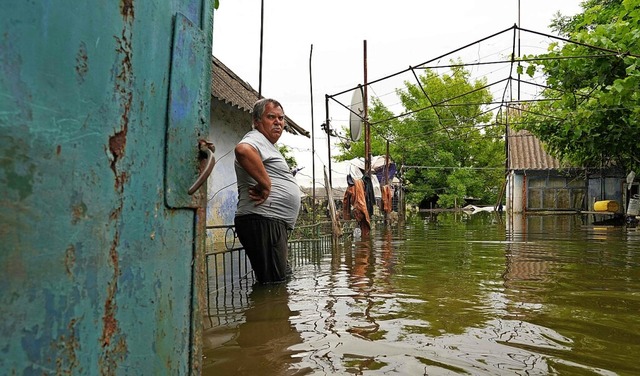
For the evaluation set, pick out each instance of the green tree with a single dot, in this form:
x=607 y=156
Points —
x=594 y=115
x=446 y=141
x=286 y=153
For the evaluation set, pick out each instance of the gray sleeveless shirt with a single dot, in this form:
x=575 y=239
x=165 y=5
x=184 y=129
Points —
x=284 y=200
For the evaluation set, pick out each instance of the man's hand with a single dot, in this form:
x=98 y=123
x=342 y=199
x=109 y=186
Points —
x=258 y=194
x=249 y=159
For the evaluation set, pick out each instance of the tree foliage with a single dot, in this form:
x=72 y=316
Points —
x=288 y=157
x=446 y=142
x=594 y=117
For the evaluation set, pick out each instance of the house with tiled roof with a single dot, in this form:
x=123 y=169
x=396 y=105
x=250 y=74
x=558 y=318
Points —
x=230 y=89
x=536 y=181
x=232 y=101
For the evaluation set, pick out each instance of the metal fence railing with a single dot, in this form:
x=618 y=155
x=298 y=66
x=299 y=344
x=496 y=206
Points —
x=229 y=272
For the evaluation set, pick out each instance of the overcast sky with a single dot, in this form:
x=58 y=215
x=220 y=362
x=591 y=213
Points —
x=399 y=34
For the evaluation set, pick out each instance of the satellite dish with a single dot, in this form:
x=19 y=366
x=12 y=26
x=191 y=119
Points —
x=356 y=115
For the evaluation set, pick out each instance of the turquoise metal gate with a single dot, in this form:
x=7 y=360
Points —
x=102 y=104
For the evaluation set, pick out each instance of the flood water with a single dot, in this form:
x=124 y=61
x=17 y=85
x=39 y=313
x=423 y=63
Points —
x=442 y=295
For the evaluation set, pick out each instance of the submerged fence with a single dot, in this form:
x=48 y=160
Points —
x=229 y=273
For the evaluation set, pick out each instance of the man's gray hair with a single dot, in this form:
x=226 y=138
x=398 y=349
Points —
x=260 y=105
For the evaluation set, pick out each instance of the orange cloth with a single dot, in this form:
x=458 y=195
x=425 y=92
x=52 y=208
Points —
x=354 y=196
x=386 y=198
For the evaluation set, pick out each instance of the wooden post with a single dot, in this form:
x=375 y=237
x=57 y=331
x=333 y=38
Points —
x=335 y=223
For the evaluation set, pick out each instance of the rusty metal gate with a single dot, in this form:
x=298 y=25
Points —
x=102 y=104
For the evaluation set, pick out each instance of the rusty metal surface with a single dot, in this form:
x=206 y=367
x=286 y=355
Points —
x=186 y=120
x=99 y=275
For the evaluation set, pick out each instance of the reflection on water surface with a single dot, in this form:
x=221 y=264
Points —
x=445 y=294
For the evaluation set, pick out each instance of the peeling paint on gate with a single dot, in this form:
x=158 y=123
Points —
x=113 y=341
x=97 y=270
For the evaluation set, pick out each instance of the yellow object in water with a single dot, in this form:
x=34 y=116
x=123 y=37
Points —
x=606 y=205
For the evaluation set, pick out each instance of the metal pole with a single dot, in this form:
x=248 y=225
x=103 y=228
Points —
x=367 y=135
x=519 y=25
x=313 y=147
x=261 y=39
x=328 y=129
x=386 y=165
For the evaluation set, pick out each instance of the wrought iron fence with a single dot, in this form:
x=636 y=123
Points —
x=229 y=272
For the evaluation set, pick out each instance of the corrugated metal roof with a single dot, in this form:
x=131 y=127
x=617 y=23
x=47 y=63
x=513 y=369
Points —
x=526 y=153
x=231 y=89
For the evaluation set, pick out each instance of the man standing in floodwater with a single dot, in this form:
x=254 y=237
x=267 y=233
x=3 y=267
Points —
x=268 y=194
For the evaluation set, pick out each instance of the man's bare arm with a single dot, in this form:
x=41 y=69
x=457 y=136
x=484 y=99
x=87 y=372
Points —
x=249 y=158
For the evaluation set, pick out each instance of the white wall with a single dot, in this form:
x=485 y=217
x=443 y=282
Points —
x=228 y=125
x=514 y=202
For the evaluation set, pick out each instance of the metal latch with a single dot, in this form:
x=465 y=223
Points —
x=208 y=149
